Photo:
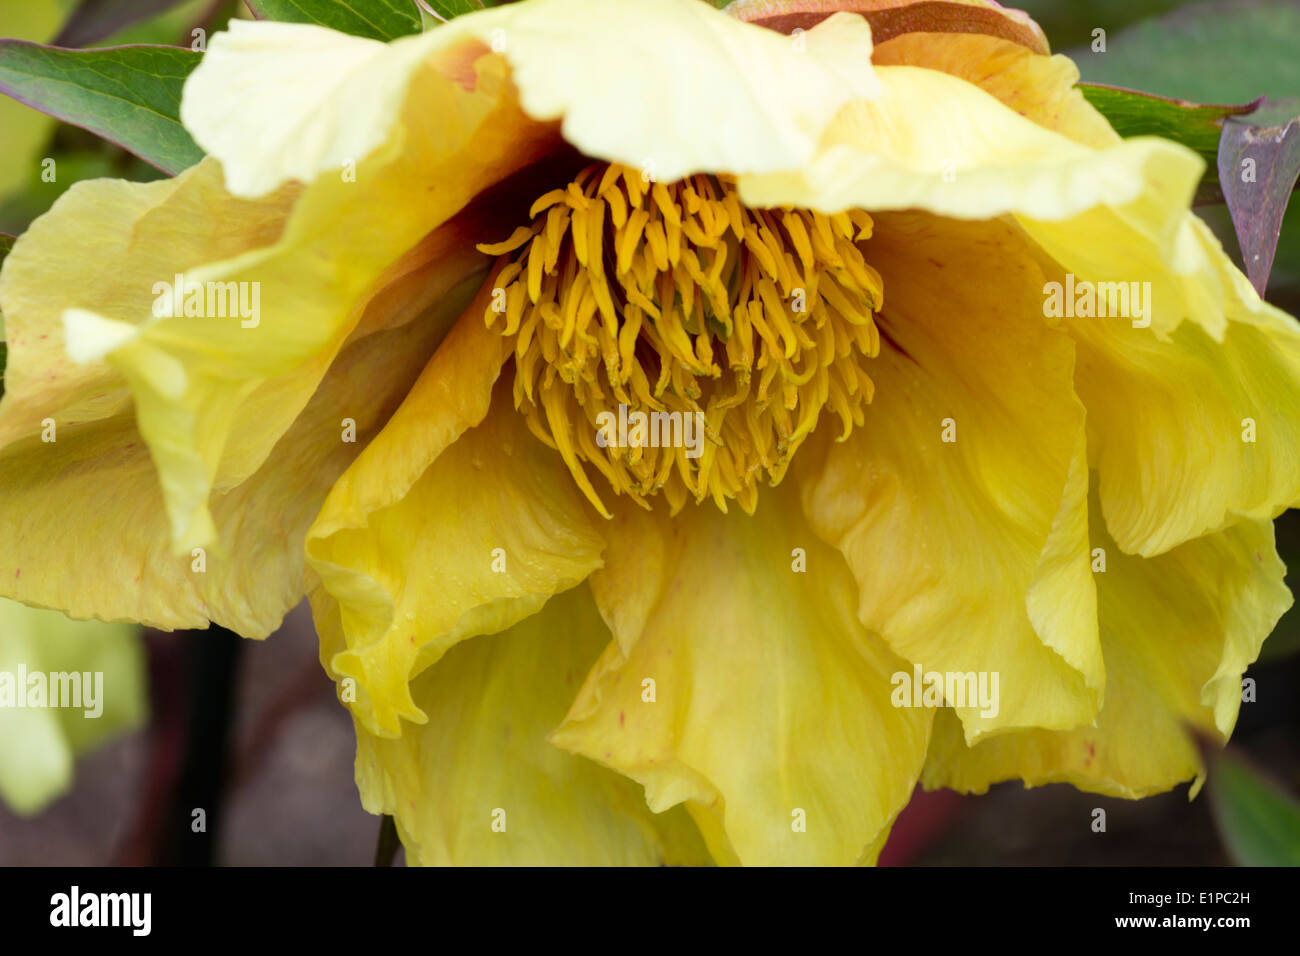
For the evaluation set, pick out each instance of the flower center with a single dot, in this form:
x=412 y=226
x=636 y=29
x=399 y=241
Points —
x=678 y=341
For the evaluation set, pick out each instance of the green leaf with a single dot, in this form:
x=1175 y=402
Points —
x=450 y=9
x=434 y=13
x=1259 y=823
x=376 y=19
x=1196 y=126
x=130 y=95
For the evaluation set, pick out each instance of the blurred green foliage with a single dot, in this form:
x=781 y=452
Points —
x=1259 y=822
x=39 y=745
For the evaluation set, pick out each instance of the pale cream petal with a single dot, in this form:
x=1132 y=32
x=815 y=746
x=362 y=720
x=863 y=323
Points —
x=936 y=142
x=276 y=102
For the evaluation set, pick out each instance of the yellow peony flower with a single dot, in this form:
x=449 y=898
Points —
x=466 y=261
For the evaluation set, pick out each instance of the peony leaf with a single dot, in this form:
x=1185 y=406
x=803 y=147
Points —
x=1197 y=126
x=376 y=19
x=1259 y=164
x=449 y=9
x=130 y=95
x=437 y=12
x=1258 y=821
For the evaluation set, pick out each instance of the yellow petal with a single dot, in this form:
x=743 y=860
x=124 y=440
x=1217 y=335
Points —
x=936 y=142
x=120 y=239
x=93 y=493
x=747 y=688
x=736 y=98
x=1177 y=632
x=101 y=667
x=480 y=785
x=212 y=395
x=1040 y=88
x=970 y=554
x=767 y=103
x=1180 y=468
x=454 y=522
x=1155 y=238
x=1188 y=433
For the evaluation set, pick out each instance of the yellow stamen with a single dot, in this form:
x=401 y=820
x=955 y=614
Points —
x=666 y=299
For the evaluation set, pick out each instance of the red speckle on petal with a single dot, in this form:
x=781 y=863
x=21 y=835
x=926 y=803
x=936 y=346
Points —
x=620 y=718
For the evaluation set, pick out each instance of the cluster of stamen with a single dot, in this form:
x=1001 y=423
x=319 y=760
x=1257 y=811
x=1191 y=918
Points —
x=675 y=298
